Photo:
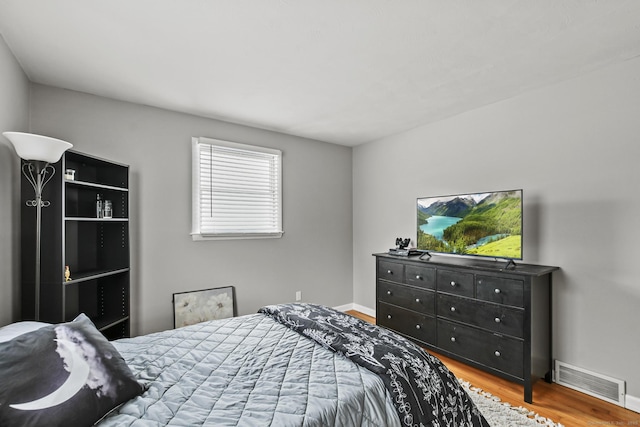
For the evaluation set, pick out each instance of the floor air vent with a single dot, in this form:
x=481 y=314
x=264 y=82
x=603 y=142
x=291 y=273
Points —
x=597 y=385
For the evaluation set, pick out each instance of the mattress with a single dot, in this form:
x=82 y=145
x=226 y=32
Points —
x=247 y=371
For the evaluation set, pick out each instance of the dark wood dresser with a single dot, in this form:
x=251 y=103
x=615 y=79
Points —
x=477 y=311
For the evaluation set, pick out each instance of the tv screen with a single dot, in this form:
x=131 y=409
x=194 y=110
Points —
x=481 y=224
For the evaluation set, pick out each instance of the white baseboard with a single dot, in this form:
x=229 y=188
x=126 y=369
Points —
x=632 y=403
x=366 y=310
x=357 y=307
x=345 y=307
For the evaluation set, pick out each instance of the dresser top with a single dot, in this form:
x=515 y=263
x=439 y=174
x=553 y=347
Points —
x=498 y=265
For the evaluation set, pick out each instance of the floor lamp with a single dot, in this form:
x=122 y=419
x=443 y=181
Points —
x=37 y=152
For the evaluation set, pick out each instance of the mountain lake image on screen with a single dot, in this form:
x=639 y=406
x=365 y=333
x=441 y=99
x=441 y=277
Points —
x=481 y=224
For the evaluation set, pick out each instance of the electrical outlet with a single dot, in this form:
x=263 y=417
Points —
x=298 y=295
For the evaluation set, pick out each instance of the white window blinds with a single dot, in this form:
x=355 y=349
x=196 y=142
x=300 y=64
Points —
x=237 y=190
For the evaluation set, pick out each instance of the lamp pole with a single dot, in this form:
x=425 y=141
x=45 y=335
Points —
x=38 y=173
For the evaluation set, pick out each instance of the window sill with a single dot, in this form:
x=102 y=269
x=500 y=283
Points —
x=236 y=236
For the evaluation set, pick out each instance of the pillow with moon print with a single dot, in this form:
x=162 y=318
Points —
x=62 y=375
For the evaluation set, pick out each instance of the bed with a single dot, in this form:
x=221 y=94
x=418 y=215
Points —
x=288 y=365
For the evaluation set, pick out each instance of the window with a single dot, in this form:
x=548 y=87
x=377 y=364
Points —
x=237 y=190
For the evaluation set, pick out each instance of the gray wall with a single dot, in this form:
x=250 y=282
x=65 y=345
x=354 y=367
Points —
x=574 y=149
x=314 y=256
x=14 y=116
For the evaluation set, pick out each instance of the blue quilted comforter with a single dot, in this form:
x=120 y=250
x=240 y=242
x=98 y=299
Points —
x=254 y=371
x=247 y=371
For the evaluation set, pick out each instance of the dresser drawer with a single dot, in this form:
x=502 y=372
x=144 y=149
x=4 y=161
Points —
x=455 y=282
x=390 y=271
x=492 y=350
x=494 y=317
x=410 y=323
x=423 y=277
x=500 y=290
x=415 y=299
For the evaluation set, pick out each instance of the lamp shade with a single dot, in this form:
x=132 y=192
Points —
x=30 y=146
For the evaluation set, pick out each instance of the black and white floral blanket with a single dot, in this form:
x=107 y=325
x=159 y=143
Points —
x=423 y=390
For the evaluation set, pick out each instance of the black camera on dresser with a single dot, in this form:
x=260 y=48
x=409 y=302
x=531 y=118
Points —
x=494 y=318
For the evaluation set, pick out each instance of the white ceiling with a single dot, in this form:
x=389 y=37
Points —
x=341 y=71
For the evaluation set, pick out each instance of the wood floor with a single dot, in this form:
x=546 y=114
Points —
x=558 y=403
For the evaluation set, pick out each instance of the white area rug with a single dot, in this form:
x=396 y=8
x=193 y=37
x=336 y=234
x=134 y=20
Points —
x=501 y=414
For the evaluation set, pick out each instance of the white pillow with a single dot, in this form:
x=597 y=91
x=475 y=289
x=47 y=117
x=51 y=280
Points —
x=11 y=331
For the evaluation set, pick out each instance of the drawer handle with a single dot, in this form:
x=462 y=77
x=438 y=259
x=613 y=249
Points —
x=389 y=272
x=418 y=277
x=388 y=292
x=497 y=353
x=453 y=283
x=453 y=339
x=388 y=316
x=497 y=319
x=453 y=309
x=417 y=326
x=496 y=290
x=418 y=300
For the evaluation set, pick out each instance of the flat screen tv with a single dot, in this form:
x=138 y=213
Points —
x=480 y=224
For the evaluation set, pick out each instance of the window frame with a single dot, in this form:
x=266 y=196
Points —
x=196 y=233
